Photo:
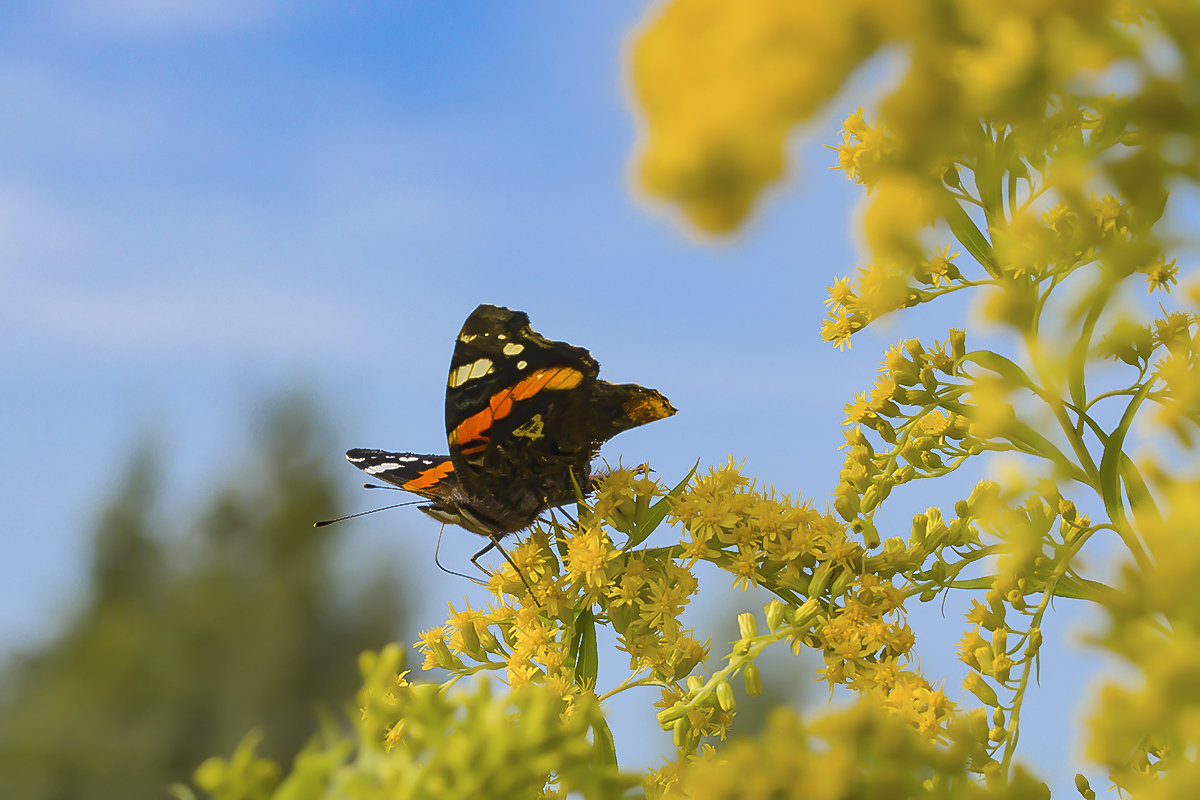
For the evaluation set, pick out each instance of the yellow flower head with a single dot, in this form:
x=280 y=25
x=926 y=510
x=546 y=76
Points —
x=589 y=553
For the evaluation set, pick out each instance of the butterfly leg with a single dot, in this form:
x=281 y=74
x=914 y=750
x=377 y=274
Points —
x=438 y=546
x=474 y=559
x=495 y=543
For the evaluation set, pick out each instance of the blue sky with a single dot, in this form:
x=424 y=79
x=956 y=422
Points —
x=205 y=203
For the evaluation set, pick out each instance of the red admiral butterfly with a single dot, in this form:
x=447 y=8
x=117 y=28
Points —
x=525 y=416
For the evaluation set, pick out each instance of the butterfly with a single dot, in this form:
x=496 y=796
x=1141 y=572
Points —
x=525 y=417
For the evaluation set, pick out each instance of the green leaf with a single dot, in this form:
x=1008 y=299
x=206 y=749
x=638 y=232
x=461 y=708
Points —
x=587 y=658
x=1110 y=463
x=657 y=513
x=1068 y=587
x=1135 y=487
x=602 y=737
x=1095 y=304
x=969 y=235
x=1002 y=366
x=1026 y=440
x=1030 y=441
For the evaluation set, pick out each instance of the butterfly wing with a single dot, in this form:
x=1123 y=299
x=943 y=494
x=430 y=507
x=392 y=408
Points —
x=525 y=415
x=507 y=396
x=429 y=476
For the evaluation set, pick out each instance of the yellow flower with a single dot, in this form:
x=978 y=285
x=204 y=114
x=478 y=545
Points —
x=882 y=288
x=935 y=423
x=858 y=411
x=395 y=735
x=588 y=554
x=1005 y=51
x=941 y=267
x=624 y=592
x=1060 y=218
x=432 y=643
x=744 y=567
x=661 y=610
x=696 y=547
x=840 y=325
x=1110 y=214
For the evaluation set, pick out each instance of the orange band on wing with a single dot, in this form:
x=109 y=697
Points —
x=430 y=477
x=501 y=404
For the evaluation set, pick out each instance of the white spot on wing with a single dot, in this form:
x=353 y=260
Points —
x=512 y=349
x=469 y=372
x=522 y=364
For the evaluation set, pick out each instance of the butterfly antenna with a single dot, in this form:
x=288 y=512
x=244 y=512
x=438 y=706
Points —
x=444 y=569
x=377 y=486
x=325 y=522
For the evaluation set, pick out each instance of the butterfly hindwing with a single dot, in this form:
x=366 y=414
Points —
x=428 y=476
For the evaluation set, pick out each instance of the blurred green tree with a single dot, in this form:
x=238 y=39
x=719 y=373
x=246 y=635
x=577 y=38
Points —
x=193 y=633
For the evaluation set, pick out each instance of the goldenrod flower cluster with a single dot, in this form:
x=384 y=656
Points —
x=420 y=741
x=860 y=752
x=834 y=597
x=1146 y=729
x=721 y=87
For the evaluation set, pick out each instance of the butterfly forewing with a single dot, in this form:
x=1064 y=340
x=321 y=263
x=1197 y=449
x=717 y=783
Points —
x=508 y=391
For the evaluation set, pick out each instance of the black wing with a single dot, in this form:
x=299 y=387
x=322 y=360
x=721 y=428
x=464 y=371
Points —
x=508 y=393
x=525 y=415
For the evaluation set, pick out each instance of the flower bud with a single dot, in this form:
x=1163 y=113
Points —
x=958 y=343
x=753 y=679
x=774 y=612
x=1035 y=642
x=920 y=527
x=470 y=641
x=976 y=685
x=984 y=658
x=668 y=715
x=846 y=502
x=680 y=731
x=747 y=625
x=819 y=579
x=841 y=583
x=806 y=613
x=488 y=641
x=725 y=696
